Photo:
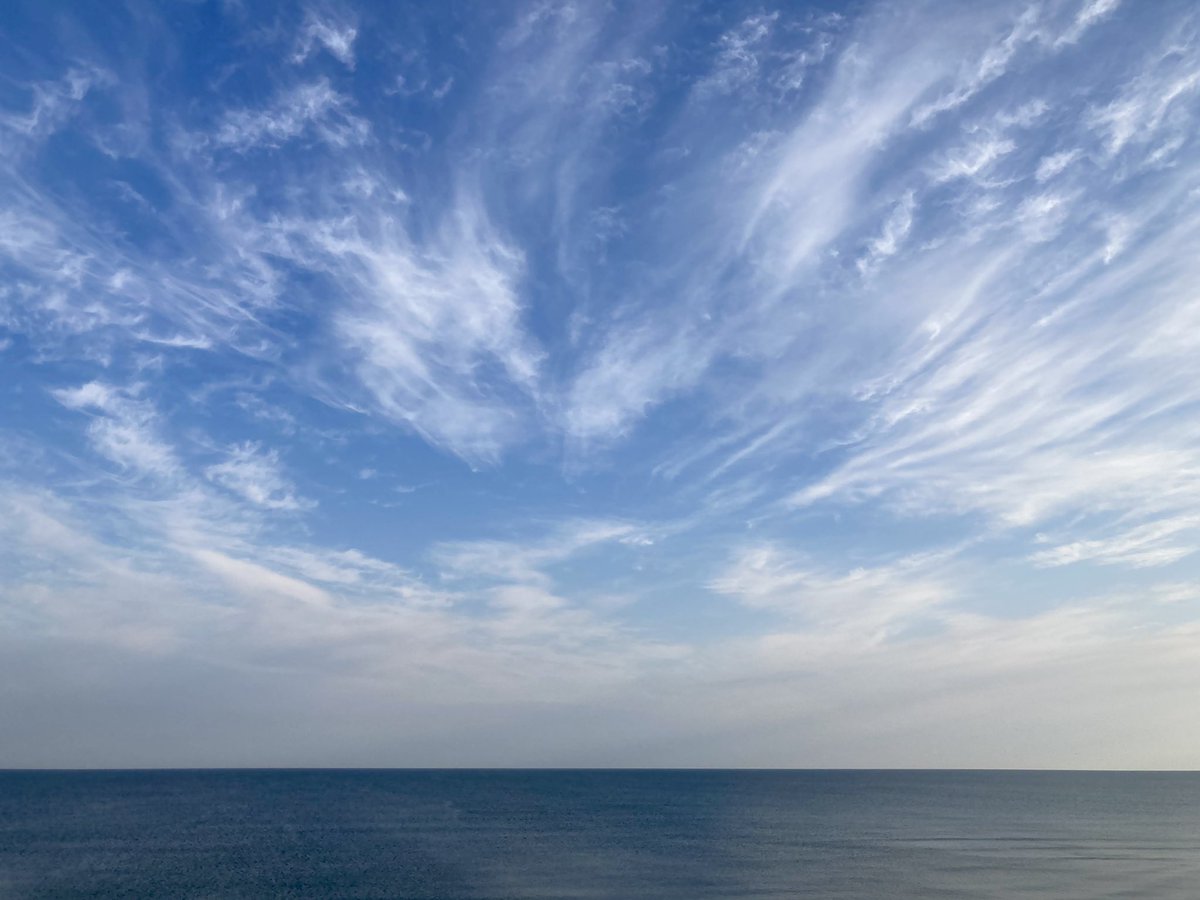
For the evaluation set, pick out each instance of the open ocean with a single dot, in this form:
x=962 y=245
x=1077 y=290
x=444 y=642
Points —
x=626 y=834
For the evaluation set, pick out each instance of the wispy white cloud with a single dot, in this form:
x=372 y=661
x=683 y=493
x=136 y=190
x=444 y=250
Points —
x=526 y=563
x=1028 y=421
x=1041 y=216
x=1150 y=544
x=991 y=65
x=895 y=230
x=424 y=321
x=1153 y=107
x=800 y=196
x=336 y=36
x=630 y=374
x=1055 y=164
x=871 y=601
x=52 y=103
x=737 y=59
x=1030 y=27
x=974 y=160
x=1091 y=13
x=256 y=475
x=315 y=106
x=258 y=580
x=124 y=428
x=240 y=602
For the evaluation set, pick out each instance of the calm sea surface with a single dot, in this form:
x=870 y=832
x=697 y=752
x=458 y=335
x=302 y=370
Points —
x=623 y=834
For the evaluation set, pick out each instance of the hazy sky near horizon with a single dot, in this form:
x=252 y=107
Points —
x=613 y=383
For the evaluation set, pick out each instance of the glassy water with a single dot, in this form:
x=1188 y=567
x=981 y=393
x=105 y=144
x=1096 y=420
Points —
x=621 y=834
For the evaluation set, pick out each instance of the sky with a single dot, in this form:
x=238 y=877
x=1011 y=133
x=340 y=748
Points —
x=600 y=384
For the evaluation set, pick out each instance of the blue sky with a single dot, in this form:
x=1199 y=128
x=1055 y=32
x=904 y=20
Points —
x=600 y=384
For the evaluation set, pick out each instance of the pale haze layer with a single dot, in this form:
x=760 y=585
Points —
x=588 y=384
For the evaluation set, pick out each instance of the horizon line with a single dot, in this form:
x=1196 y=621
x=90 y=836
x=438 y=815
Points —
x=713 y=769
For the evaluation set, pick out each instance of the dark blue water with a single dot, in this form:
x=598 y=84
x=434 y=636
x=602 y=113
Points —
x=619 y=834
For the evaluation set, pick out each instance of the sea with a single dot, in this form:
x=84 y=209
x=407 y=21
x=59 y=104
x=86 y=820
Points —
x=600 y=833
